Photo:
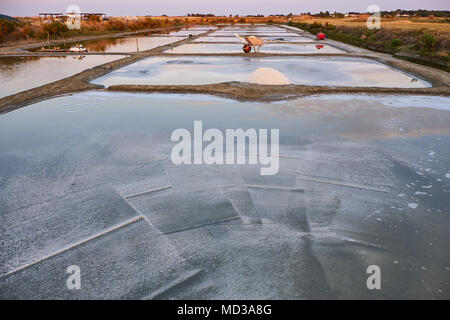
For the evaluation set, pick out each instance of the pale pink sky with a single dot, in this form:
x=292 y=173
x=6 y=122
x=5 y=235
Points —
x=222 y=7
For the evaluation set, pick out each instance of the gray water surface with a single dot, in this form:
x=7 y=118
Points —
x=232 y=38
x=363 y=180
x=237 y=48
x=22 y=73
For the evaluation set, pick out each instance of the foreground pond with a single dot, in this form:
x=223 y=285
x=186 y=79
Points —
x=363 y=180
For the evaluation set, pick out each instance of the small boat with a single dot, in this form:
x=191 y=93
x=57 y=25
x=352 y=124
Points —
x=77 y=48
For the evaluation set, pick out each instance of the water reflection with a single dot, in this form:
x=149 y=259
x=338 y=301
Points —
x=123 y=44
x=331 y=71
x=235 y=39
x=59 y=147
x=268 y=48
x=22 y=73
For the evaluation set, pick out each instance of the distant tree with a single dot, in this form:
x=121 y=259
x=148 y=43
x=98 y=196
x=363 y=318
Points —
x=55 y=28
x=5 y=27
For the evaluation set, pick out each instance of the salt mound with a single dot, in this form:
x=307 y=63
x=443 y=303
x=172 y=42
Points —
x=268 y=76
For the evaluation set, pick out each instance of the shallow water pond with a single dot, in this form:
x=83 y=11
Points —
x=324 y=71
x=256 y=34
x=129 y=44
x=23 y=73
x=362 y=180
x=202 y=27
x=125 y=44
x=275 y=48
x=253 y=29
x=183 y=33
x=235 y=39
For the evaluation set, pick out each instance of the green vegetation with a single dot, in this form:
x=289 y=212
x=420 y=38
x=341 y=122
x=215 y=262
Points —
x=418 y=45
x=429 y=41
x=6 y=27
x=56 y=28
x=396 y=43
x=411 y=13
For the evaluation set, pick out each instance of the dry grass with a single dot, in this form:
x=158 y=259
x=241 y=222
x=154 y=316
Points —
x=421 y=40
x=33 y=28
x=30 y=28
x=388 y=23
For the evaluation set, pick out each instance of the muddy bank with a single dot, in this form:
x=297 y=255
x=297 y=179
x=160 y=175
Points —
x=254 y=92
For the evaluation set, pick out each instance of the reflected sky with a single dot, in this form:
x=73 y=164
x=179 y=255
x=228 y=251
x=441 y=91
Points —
x=22 y=73
x=373 y=171
x=331 y=71
x=254 y=33
x=269 y=48
x=235 y=39
x=125 y=44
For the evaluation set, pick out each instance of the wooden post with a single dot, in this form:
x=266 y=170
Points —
x=137 y=43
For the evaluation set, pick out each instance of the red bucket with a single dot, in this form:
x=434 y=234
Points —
x=321 y=36
x=246 y=48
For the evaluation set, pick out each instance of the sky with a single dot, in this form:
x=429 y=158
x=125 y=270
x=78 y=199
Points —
x=217 y=7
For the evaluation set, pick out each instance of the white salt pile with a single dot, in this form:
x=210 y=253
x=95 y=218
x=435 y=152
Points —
x=268 y=76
